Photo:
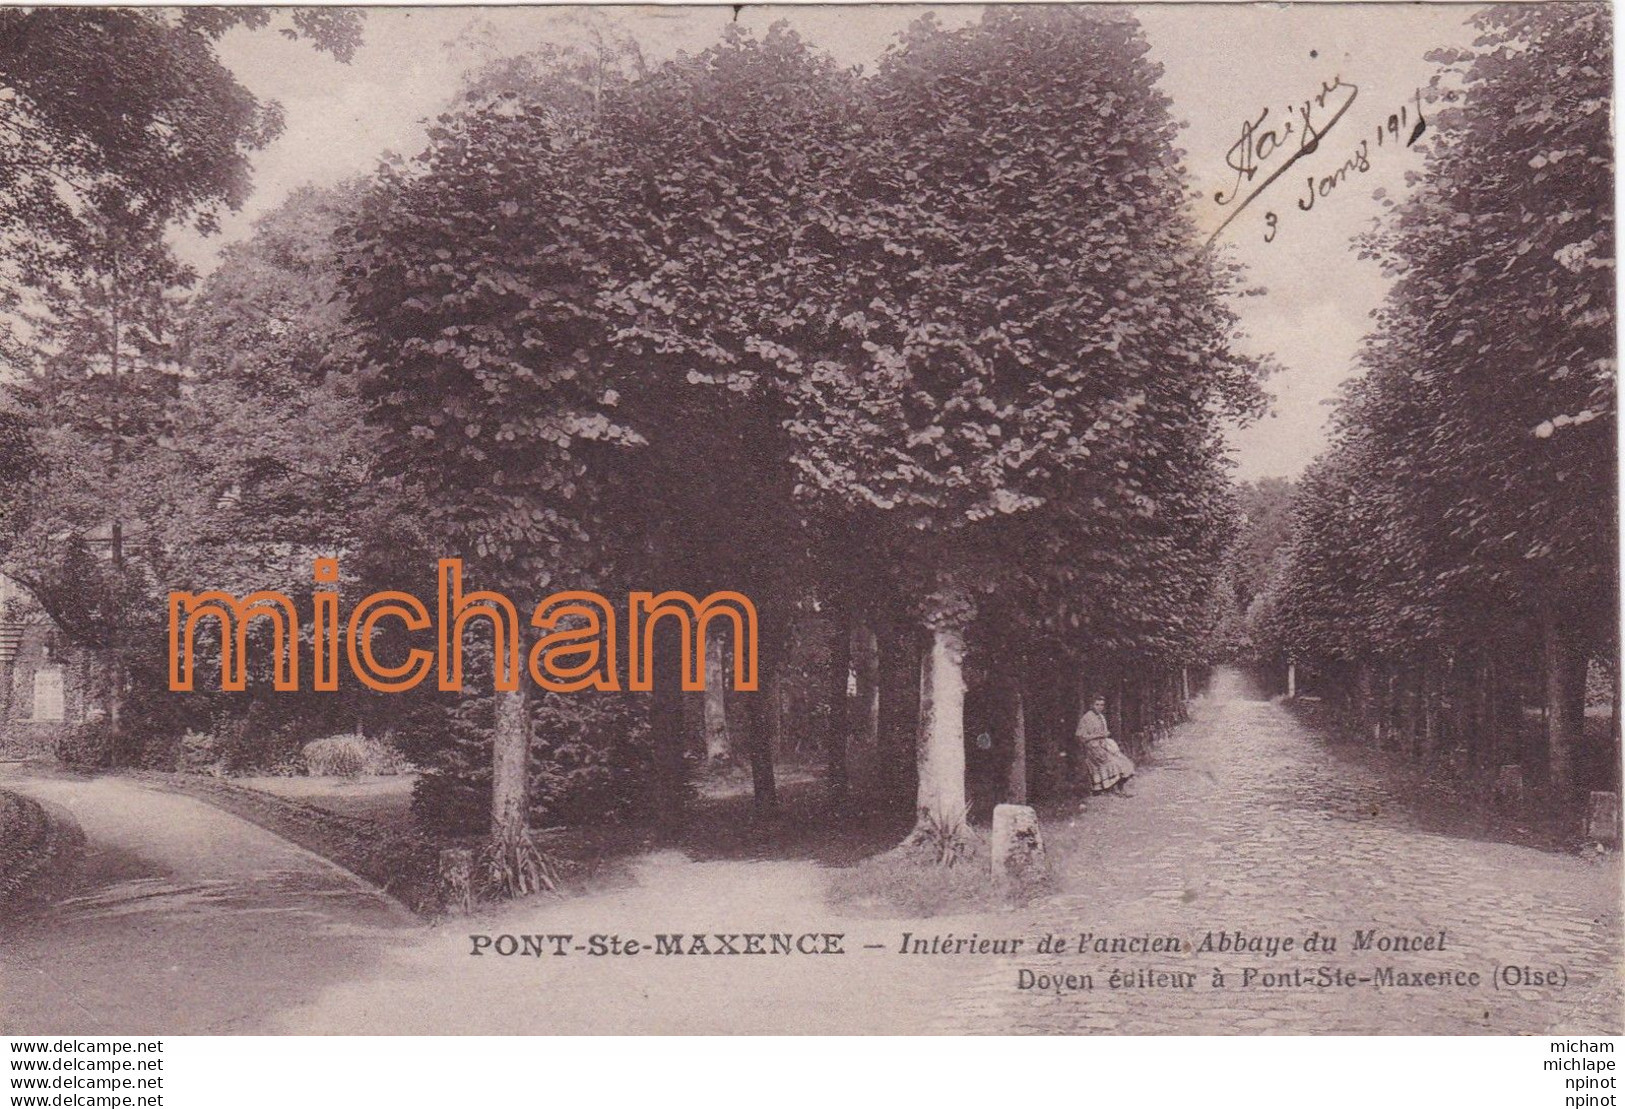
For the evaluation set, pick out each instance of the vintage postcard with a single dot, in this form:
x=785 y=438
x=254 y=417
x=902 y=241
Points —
x=821 y=519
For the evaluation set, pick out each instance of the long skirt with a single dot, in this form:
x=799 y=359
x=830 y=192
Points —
x=1106 y=763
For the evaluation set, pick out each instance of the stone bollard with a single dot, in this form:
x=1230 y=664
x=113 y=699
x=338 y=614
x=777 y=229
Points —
x=457 y=879
x=1509 y=785
x=1602 y=818
x=1017 y=847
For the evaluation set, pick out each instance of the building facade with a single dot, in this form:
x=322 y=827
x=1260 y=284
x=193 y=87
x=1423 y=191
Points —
x=42 y=680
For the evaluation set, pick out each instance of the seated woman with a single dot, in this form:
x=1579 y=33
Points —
x=1108 y=768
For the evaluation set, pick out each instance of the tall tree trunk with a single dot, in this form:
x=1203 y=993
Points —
x=1492 y=702
x=510 y=768
x=1565 y=700
x=866 y=666
x=764 y=789
x=940 y=801
x=1363 y=694
x=1430 y=708
x=1507 y=726
x=1016 y=785
x=1614 y=730
x=1390 y=707
x=1485 y=752
x=838 y=724
x=899 y=674
x=1049 y=725
x=1460 y=698
x=666 y=728
x=716 y=706
x=774 y=711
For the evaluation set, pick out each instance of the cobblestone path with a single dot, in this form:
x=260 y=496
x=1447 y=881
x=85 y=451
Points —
x=1250 y=824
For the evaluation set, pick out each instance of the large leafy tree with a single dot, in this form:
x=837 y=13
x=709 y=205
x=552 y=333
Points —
x=473 y=271
x=730 y=159
x=1033 y=348
x=272 y=457
x=128 y=115
x=746 y=320
x=122 y=126
x=271 y=428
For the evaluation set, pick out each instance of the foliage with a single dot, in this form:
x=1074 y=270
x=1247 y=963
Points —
x=516 y=869
x=39 y=851
x=481 y=336
x=128 y=114
x=86 y=746
x=270 y=434
x=350 y=756
x=1032 y=347
x=591 y=760
x=1471 y=489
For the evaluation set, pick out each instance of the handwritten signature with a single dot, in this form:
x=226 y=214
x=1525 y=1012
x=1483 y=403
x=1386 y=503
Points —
x=1272 y=148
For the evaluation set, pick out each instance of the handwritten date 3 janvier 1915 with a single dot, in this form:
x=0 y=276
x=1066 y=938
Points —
x=1270 y=146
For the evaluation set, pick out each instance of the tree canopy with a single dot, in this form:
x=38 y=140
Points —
x=1470 y=502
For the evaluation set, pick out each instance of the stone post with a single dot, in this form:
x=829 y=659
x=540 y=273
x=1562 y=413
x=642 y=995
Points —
x=1509 y=785
x=1017 y=848
x=1602 y=818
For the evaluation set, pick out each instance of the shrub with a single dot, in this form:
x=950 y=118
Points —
x=350 y=755
x=517 y=869
x=291 y=767
x=87 y=746
x=591 y=760
x=911 y=881
x=264 y=735
x=158 y=752
x=154 y=721
x=40 y=847
x=451 y=742
x=200 y=753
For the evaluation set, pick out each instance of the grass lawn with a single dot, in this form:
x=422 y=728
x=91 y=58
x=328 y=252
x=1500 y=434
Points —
x=385 y=799
x=40 y=846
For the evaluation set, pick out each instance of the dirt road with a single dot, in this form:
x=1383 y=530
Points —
x=186 y=920
x=1248 y=825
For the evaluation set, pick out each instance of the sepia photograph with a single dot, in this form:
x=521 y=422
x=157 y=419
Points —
x=1059 y=519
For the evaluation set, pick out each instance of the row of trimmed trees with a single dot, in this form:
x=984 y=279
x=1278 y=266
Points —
x=933 y=352
x=929 y=361
x=1455 y=555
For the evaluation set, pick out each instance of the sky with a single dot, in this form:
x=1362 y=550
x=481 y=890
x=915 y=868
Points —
x=1223 y=66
